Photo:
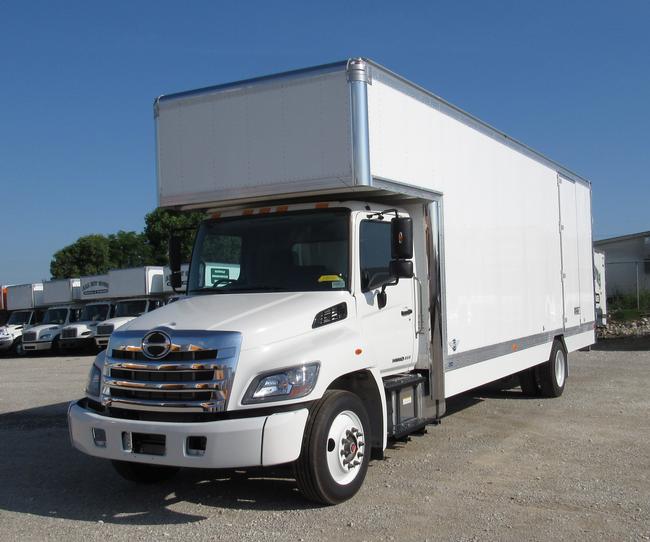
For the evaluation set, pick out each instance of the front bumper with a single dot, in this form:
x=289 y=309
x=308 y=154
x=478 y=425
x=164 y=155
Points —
x=231 y=443
x=78 y=343
x=102 y=340
x=37 y=346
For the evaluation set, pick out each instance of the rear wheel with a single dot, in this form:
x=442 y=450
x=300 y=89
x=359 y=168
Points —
x=334 y=457
x=142 y=473
x=552 y=374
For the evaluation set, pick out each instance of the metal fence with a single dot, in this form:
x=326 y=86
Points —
x=628 y=284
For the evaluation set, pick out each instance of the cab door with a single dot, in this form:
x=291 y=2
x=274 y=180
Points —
x=388 y=332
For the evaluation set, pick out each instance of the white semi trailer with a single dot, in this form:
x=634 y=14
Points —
x=385 y=252
x=25 y=301
x=62 y=299
x=136 y=290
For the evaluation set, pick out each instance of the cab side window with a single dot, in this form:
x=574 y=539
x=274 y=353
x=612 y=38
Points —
x=74 y=315
x=374 y=241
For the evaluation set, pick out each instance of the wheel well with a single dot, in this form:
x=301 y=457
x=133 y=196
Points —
x=560 y=338
x=363 y=384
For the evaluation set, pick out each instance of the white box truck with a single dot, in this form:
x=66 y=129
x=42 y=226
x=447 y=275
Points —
x=25 y=301
x=139 y=290
x=62 y=299
x=95 y=296
x=390 y=251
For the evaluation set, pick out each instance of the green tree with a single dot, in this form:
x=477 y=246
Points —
x=88 y=255
x=159 y=226
x=128 y=249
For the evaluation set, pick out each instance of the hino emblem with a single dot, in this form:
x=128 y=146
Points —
x=156 y=344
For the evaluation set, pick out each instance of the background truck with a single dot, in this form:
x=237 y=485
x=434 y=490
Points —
x=3 y=305
x=62 y=299
x=25 y=301
x=391 y=251
x=139 y=290
x=600 y=288
x=97 y=307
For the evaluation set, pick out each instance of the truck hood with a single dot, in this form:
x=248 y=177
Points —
x=117 y=322
x=11 y=330
x=43 y=328
x=84 y=326
x=262 y=318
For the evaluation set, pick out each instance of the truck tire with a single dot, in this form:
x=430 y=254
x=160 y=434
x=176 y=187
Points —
x=17 y=348
x=334 y=458
x=528 y=382
x=552 y=374
x=143 y=473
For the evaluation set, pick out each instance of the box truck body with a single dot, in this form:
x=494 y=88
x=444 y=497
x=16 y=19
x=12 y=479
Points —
x=383 y=251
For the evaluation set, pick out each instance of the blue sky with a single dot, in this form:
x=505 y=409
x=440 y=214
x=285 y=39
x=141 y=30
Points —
x=78 y=79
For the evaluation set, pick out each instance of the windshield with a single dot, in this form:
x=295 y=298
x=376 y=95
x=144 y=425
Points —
x=18 y=318
x=94 y=313
x=289 y=252
x=55 y=316
x=135 y=307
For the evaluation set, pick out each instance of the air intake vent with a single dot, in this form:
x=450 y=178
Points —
x=331 y=315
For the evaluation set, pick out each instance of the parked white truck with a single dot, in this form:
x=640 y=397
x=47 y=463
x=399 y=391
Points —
x=139 y=289
x=26 y=303
x=62 y=299
x=390 y=251
x=98 y=307
x=600 y=288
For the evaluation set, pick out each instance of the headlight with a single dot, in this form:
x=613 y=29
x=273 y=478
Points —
x=86 y=333
x=94 y=381
x=284 y=384
x=46 y=336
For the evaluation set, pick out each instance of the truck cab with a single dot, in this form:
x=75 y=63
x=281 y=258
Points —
x=244 y=356
x=45 y=336
x=81 y=334
x=11 y=334
x=125 y=311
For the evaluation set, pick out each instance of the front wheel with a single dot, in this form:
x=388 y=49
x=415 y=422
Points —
x=143 y=473
x=334 y=457
x=17 y=349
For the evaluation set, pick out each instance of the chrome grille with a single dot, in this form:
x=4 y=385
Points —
x=69 y=333
x=105 y=329
x=29 y=336
x=195 y=376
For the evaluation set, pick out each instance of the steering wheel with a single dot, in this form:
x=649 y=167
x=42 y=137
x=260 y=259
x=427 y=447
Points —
x=222 y=282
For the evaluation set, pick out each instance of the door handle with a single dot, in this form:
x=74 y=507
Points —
x=407 y=312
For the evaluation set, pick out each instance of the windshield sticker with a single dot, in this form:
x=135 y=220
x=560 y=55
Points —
x=338 y=284
x=329 y=278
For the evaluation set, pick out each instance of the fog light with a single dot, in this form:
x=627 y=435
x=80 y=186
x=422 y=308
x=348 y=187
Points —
x=99 y=437
x=195 y=445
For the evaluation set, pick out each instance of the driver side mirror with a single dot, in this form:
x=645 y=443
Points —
x=175 y=278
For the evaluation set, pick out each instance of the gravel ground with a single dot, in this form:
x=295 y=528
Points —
x=500 y=467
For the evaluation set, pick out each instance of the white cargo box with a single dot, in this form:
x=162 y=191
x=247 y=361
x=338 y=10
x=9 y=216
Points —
x=513 y=227
x=25 y=296
x=95 y=287
x=60 y=291
x=135 y=282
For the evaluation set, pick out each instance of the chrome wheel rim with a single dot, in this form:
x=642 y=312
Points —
x=560 y=368
x=345 y=447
